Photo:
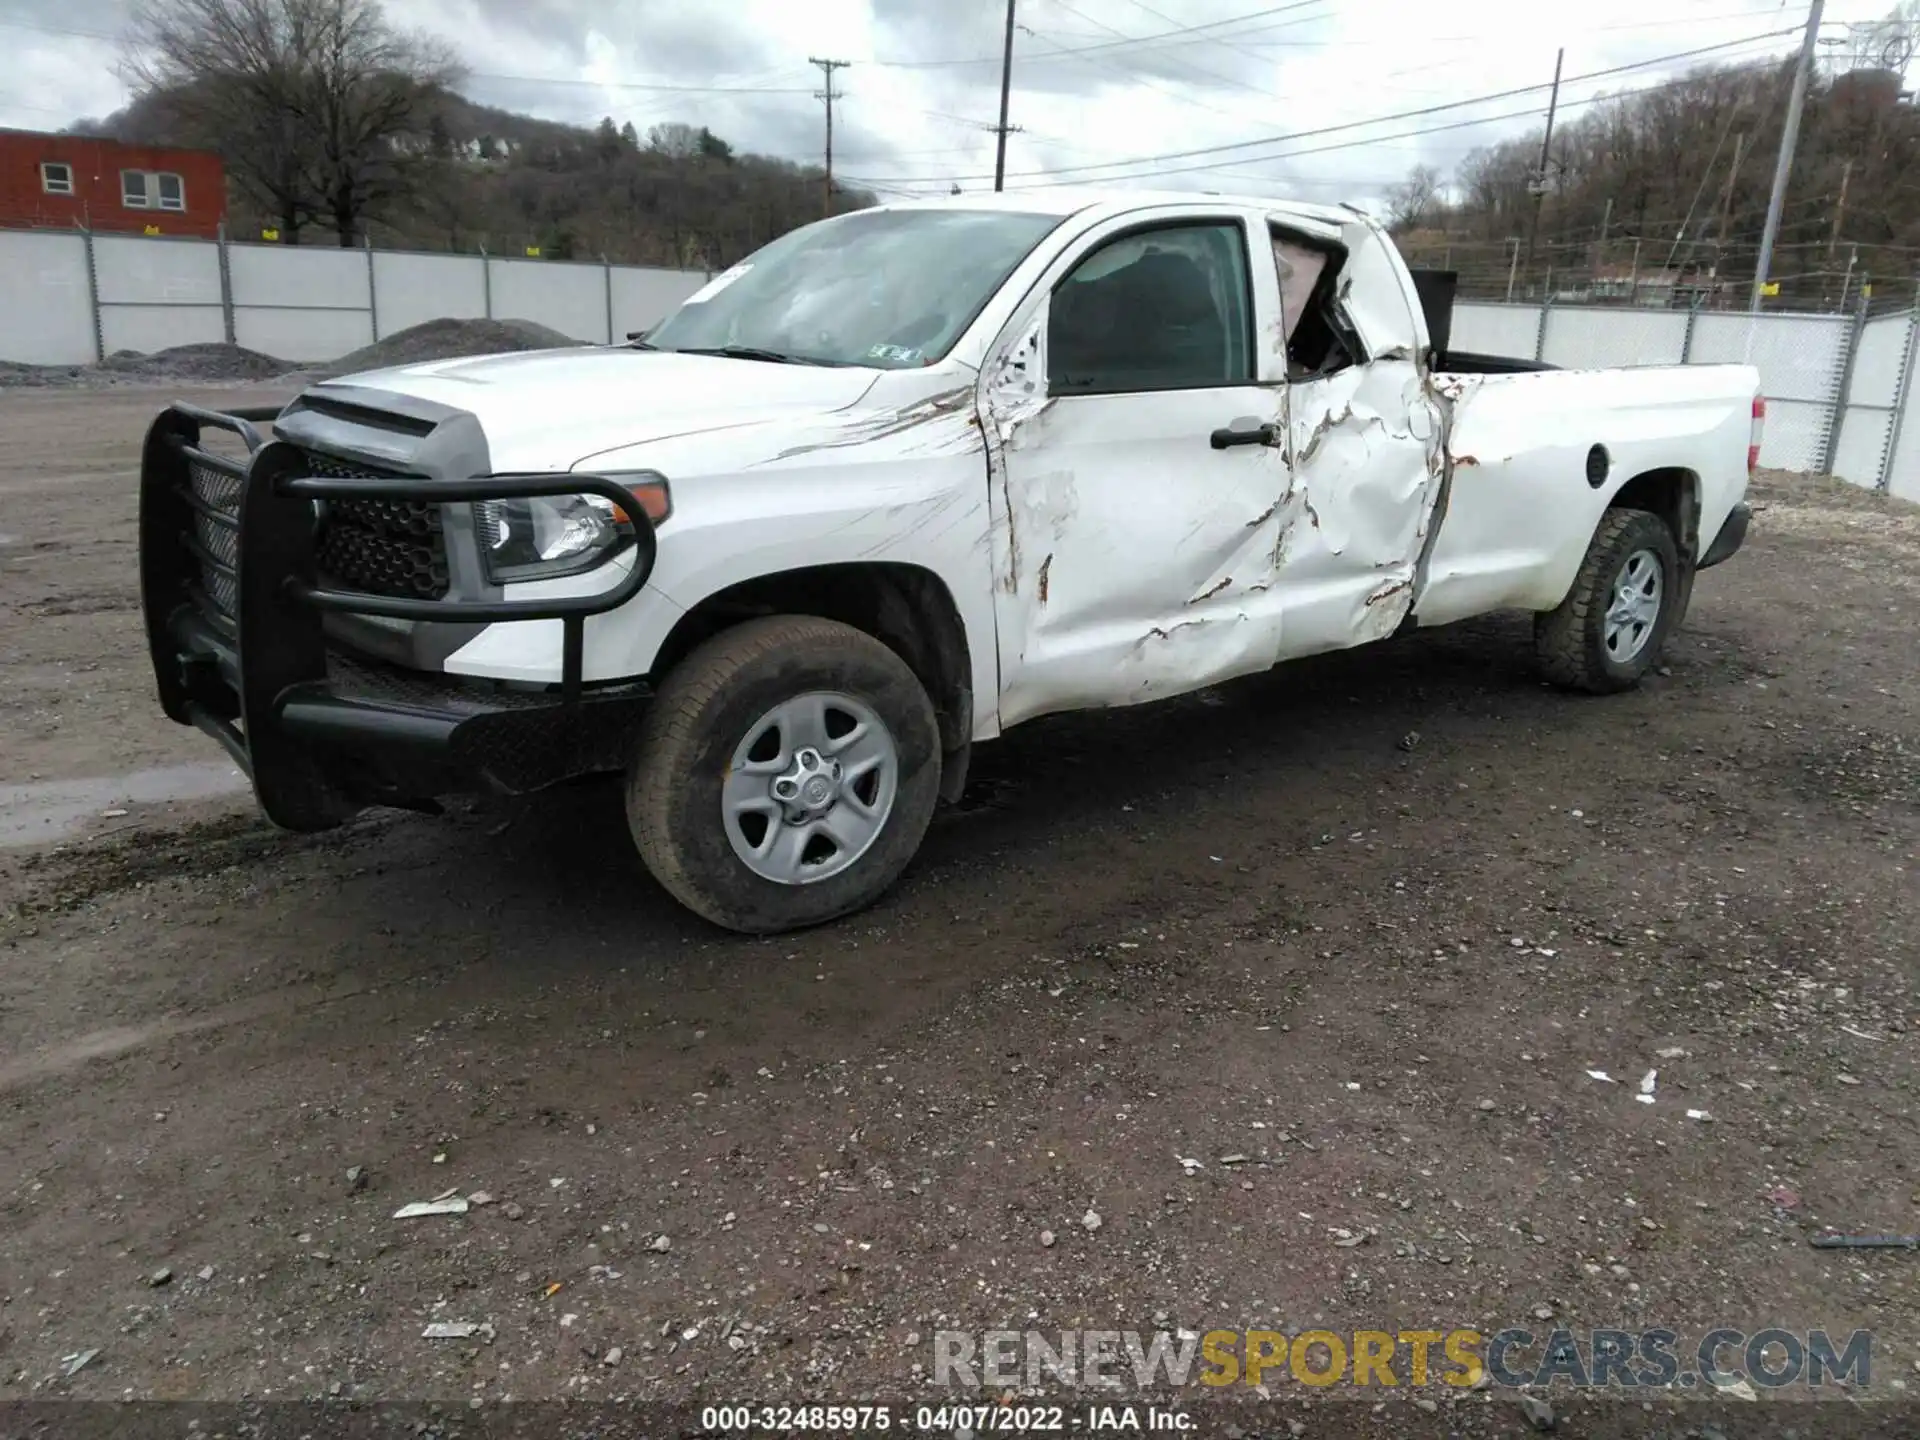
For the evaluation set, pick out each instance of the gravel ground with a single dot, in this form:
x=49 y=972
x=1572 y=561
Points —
x=1366 y=924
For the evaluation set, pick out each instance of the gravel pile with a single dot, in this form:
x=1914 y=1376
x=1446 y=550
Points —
x=216 y=361
x=220 y=363
x=447 y=340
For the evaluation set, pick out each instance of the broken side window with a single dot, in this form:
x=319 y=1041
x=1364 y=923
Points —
x=1317 y=338
x=1300 y=270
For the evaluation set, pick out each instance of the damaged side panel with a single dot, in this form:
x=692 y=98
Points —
x=1368 y=471
x=900 y=479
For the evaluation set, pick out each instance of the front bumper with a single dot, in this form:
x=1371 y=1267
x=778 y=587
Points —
x=1733 y=534
x=234 y=609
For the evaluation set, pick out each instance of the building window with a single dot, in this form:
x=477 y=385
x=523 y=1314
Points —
x=152 y=190
x=56 y=178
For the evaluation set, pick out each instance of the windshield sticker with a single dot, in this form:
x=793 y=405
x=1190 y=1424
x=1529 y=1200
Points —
x=898 y=354
x=714 y=286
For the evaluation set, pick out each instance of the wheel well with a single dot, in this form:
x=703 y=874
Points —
x=1674 y=495
x=906 y=608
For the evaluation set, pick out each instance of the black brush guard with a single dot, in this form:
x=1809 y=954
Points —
x=234 y=612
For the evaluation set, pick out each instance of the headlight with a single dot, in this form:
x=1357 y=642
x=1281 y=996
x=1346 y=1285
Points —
x=541 y=537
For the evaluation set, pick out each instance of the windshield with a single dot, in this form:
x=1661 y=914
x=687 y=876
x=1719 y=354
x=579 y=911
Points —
x=891 y=289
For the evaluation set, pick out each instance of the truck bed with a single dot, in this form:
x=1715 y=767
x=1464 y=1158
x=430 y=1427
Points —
x=1466 y=362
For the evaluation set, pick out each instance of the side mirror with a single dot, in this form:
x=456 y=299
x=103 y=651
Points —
x=636 y=335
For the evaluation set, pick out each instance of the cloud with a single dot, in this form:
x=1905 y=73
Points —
x=1101 y=87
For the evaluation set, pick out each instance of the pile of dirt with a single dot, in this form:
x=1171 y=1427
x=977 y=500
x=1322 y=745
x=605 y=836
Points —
x=449 y=340
x=216 y=361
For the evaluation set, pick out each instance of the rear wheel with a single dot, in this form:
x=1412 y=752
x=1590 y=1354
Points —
x=786 y=774
x=1608 y=632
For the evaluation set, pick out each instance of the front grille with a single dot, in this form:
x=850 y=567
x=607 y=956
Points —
x=220 y=491
x=379 y=547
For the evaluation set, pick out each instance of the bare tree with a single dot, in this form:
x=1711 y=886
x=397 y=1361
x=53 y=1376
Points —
x=374 y=89
x=1415 y=198
x=675 y=139
x=320 y=107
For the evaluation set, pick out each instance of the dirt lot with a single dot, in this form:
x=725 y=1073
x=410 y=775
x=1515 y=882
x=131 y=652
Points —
x=1367 y=923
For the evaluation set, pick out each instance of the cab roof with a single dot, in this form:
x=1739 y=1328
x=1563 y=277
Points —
x=1074 y=199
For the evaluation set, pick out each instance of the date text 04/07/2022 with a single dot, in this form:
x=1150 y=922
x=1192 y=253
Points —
x=977 y=1419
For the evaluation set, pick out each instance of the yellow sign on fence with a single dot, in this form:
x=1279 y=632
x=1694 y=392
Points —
x=1772 y=287
x=269 y=234
x=533 y=252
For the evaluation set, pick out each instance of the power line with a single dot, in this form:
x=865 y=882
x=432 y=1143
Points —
x=1105 y=44
x=1357 y=144
x=1134 y=78
x=639 y=85
x=1647 y=226
x=1161 y=15
x=1212 y=76
x=1386 y=119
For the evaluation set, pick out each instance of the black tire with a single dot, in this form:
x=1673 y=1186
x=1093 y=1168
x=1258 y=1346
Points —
x=704 y=711
x=1571 y=640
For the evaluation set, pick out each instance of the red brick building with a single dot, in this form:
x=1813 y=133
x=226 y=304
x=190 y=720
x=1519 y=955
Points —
x=63 y=181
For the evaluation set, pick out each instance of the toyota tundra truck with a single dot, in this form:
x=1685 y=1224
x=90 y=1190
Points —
x=896 y=482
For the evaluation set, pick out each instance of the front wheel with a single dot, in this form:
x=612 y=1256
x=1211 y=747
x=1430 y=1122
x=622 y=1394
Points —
x=786 y=774
x=1609 y=631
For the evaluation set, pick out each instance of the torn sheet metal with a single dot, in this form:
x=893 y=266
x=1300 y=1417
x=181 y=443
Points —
x=1366 y=475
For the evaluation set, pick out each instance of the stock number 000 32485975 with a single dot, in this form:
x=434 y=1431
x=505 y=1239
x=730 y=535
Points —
x=831 y=1419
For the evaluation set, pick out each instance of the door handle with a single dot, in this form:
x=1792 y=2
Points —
x=1226 y=436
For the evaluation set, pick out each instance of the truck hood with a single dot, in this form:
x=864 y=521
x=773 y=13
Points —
x=546 y=409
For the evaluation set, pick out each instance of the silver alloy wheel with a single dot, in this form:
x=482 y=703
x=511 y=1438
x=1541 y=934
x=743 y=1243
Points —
x=1633 y=607
x=810 y=788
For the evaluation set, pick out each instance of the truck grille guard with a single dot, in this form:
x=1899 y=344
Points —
x=233 y=594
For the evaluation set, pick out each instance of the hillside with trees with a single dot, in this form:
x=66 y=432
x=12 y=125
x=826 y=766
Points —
x=1661 y=196
x=338 y=127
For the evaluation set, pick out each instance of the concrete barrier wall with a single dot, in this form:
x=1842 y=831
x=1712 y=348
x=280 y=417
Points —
x=155 y=293
x=69 y=299
x=300 y=304
x=565 y=297
x=1838 y=387
x=45 y=298
x=413 y=289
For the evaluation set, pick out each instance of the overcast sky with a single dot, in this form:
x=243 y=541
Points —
x=1095 y=82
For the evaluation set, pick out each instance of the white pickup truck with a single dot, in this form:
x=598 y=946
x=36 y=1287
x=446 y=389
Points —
x=898 y=481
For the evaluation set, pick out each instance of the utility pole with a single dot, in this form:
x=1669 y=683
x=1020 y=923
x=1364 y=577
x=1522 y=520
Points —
x=827 y=67
x=1600 y=250
x=1796 y=101
x=1006 y=90
x=1540 y=178
x=1512 y=265
x=1726 y=195
x=1726 y=211
x=1839 y=210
